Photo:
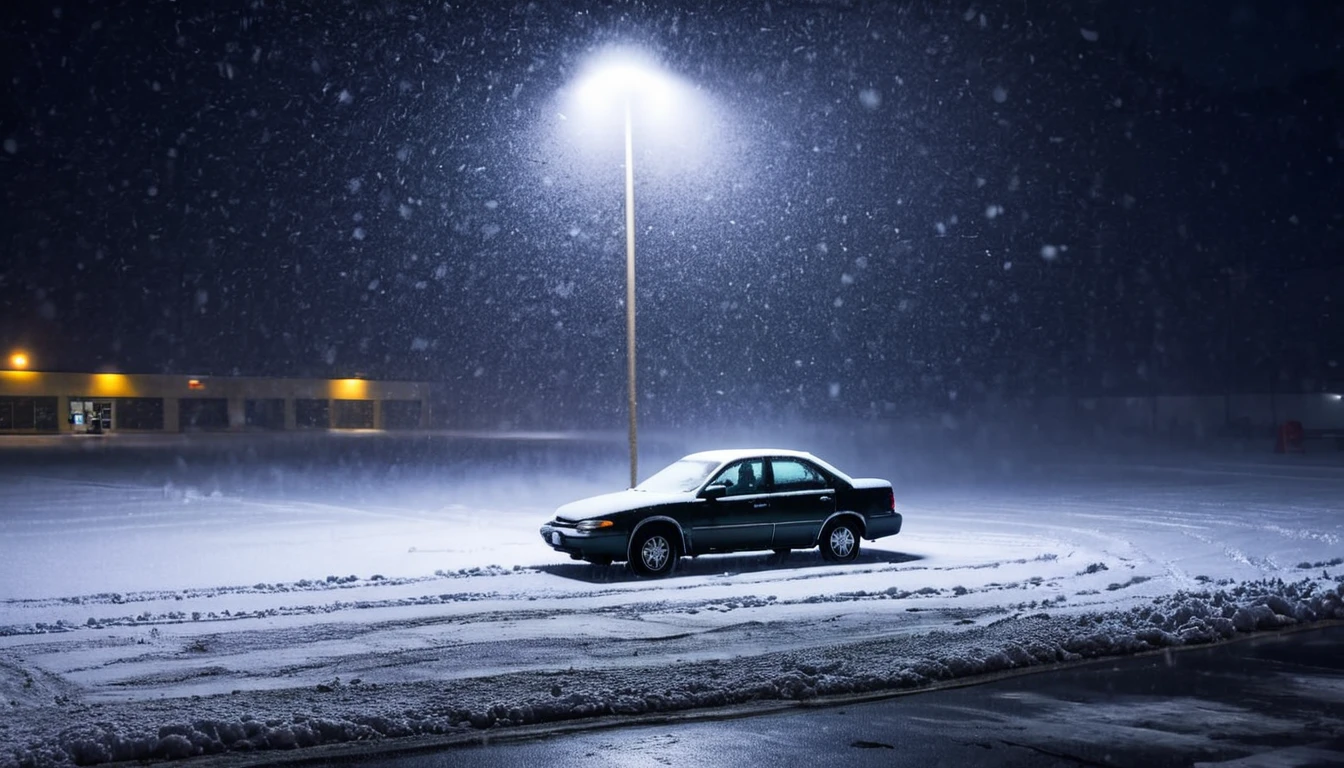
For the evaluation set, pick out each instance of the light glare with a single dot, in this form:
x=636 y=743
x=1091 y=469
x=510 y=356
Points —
x=621 y=78
x=670 y=118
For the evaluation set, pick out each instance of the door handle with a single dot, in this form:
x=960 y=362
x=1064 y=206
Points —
x=825 y=498
x=760 y=505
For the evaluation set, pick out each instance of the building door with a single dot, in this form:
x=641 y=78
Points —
x=89 y=416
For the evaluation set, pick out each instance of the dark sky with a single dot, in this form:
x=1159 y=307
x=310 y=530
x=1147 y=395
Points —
x=902 y=203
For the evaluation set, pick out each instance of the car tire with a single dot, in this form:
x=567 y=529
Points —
x=653 y=553
x=839 y=542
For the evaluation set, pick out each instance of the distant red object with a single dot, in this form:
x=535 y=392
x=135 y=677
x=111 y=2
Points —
x=1290 y=438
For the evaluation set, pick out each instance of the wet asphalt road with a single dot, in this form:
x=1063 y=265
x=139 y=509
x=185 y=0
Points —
x=1276 y=700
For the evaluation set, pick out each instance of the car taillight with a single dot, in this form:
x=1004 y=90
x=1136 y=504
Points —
x=892 y=499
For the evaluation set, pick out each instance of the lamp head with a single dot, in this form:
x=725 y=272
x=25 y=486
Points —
x=620 y=77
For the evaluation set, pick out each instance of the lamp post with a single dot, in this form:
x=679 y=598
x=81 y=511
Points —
x=630 y=289
x=627 y=80
x=669 y=110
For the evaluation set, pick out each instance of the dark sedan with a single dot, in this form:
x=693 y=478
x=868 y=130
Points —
x=727 y=501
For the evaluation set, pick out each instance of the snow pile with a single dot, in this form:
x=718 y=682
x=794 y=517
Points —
x=260 y=720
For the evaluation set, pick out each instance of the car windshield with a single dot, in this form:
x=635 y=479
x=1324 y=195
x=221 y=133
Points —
x=682 y=477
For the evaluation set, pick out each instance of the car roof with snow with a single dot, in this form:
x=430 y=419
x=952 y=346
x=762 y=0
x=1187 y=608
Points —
x=725 y=455
x=733 y=454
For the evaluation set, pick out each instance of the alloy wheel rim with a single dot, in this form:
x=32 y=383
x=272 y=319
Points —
x=655 y=552
x=842 y=541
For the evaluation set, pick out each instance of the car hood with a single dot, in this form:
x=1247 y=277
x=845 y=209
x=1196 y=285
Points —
x=611 y=503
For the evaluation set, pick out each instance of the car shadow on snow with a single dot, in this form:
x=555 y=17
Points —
x=727 y=565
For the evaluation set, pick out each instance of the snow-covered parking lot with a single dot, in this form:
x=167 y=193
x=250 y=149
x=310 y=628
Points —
x=166 y=597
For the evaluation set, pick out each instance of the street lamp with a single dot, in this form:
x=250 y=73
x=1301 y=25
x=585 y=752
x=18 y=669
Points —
x=18 y=361
x=626 y=80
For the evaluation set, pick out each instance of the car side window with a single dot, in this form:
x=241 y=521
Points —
x=743 y=478
x=793 y=475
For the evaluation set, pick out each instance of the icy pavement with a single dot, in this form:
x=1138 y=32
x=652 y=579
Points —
x=1198 y=707
x=166 y=600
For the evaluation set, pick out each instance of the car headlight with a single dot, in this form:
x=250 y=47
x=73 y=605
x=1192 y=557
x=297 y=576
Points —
x=594 y=525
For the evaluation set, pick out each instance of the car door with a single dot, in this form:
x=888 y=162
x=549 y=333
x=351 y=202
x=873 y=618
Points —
x=802 y=497
x=740 y=519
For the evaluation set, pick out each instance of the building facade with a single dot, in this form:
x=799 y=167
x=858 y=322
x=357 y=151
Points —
x=43 y=402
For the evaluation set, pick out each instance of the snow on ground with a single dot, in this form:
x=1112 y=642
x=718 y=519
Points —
x=164 y=597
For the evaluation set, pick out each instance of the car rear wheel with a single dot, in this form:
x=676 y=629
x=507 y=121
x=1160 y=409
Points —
x=839 y=542
x=654 y=553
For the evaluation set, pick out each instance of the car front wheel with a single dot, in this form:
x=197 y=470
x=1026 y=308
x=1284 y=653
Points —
x=840 y=542
x=654 y=554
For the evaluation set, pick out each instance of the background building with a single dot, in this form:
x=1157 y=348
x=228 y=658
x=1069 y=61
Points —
x=34 y=401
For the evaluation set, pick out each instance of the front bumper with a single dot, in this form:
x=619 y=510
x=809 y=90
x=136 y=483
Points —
x=882 y=525
x=584 y=545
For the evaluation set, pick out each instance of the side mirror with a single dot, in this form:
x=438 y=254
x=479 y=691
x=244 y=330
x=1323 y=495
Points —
x=715 y=491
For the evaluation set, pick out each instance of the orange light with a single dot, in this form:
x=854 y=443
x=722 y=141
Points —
x=112 y=385
x=195 y=384
x=18 y=361
x=350 y=389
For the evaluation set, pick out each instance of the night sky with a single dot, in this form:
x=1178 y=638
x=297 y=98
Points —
x=895 y=205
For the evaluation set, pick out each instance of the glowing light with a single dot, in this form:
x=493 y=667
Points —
x=350 y=389
x=621 y=75
x=195 y=384
x=1335 y=397
x=18 y=361
x=673 y=121
x=21 y=378
x=112 y=385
